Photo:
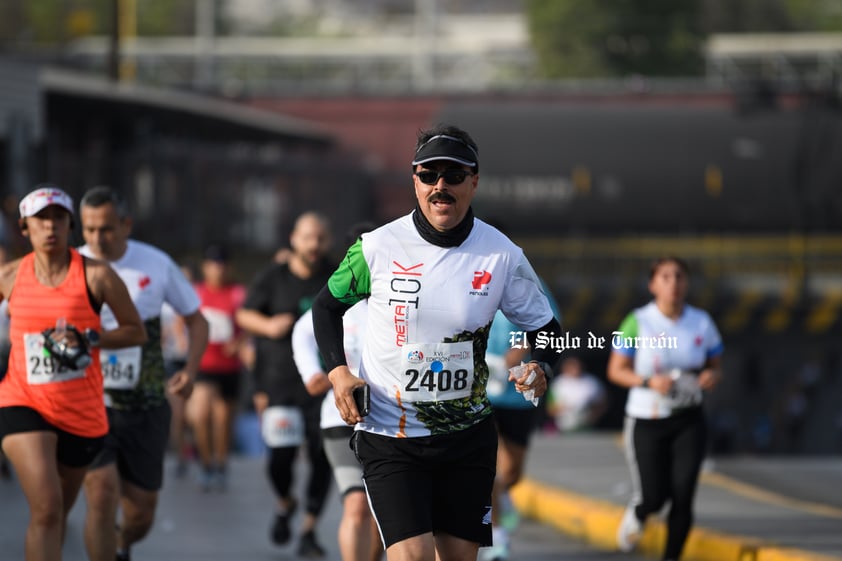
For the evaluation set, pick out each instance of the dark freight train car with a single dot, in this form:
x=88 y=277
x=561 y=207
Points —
x=610 y=169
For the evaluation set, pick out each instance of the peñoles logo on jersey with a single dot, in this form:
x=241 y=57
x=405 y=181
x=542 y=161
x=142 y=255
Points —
x=481 y=279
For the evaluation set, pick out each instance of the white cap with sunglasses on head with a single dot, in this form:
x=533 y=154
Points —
x=42 y=197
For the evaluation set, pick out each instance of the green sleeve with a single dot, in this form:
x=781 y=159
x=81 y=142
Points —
x=351 y=282
x=629 y=326
x=628 y=329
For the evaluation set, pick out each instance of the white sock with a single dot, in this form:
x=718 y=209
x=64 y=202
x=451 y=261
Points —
x=506 y=504
x=500 y=536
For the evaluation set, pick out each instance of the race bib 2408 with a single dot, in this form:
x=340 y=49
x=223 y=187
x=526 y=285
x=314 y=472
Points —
x=437 y=371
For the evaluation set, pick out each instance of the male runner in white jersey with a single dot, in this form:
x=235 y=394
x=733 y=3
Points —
x=129 y=470
x=434 y=280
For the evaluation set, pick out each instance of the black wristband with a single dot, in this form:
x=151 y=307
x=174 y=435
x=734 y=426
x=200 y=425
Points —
x=93 y=337
x=645 y=383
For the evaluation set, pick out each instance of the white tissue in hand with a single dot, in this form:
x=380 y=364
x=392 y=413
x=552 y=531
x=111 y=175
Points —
x=517 y=372
x=685 y=391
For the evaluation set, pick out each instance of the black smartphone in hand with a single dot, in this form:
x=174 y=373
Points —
x=362 y=399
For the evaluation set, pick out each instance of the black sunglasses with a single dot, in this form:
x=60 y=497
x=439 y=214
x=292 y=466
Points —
x=451 y=176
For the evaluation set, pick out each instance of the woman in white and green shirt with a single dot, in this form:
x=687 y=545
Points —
x=667 y=353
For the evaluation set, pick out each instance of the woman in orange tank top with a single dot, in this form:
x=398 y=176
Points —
x=52 y=413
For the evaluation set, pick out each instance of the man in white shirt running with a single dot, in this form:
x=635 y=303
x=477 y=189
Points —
x=433 y=280
x=129 y=471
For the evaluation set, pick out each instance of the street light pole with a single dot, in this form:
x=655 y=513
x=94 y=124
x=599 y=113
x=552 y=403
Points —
x=114 y=43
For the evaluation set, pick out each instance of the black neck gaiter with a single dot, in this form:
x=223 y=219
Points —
x=451 y=238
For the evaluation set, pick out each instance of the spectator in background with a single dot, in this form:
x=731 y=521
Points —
x=213 y=404
x=578 y=399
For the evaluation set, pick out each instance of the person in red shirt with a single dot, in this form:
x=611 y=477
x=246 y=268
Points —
x=52 y=416
x=212 y=406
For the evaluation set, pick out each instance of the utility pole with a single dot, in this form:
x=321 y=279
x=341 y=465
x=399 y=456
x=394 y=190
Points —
x=123 y=26
x=423 y=62
x=114 y=43
x=205 y=31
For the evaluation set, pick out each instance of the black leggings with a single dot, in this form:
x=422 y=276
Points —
x=665 y=456
x=282 y=460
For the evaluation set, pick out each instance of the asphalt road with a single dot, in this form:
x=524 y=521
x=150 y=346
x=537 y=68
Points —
x=234 y=526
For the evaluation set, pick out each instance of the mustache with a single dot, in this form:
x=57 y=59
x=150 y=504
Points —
x=441 y=196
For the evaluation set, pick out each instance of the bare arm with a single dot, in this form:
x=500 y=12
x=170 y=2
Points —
x=261 y=402
x=197 y=328
x=515 y=356
x=621 y=372
x=257 y=323
x=318 y=384
x=8 y=274
x=109 y=288
x=344 y=382
x=305 y=353
x=710 y=376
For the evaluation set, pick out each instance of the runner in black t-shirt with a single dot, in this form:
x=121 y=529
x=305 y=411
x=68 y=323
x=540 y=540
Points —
x=278 y=296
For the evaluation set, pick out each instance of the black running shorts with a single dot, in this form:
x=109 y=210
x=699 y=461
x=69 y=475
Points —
x=72 y=450
x=516 y=425
x=439 y=484
x=227 y=383
x=137 y=442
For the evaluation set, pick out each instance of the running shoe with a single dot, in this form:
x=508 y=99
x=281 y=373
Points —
x=309 y=548
x=206 y=479
x=220 y=479
x=509 y=516
x=181 y=467
x=494 y=553
x=280 y=528
x=501 y=548
x=630 y=530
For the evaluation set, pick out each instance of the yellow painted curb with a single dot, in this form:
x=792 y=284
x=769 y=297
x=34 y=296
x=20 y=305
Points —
x=595 y=522
x=784 y=554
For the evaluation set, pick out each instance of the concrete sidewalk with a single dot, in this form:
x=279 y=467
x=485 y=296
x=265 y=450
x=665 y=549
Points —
x=747 y=509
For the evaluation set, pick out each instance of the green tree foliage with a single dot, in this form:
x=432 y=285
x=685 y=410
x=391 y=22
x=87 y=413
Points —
x=566 y=36
x=752 y=16
x=815 y=15
x=165 y=17
x=53 y=22
x=611 y=38
x=595 y=38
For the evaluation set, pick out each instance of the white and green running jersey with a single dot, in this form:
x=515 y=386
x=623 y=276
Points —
x=429 y=312
x=662 y=345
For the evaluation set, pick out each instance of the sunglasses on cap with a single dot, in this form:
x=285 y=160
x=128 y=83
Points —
x=451 y=176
